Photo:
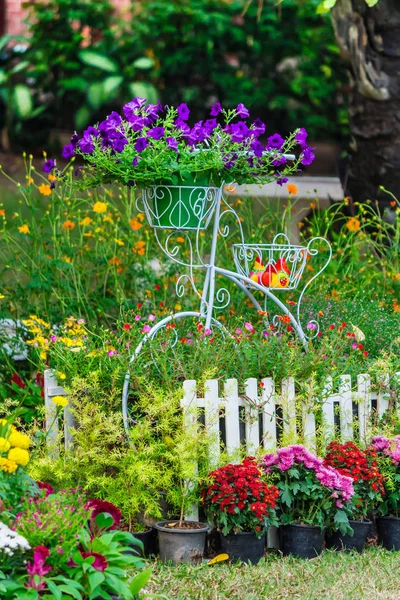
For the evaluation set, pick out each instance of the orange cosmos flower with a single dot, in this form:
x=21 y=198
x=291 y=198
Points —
x=45 y=189
x=51 y=177
x=24 y=228
x=99 y=207
x=135 y=224
x=2 y=212
x=292 y=189
x=353 y=224
x=86 y=221
x=68 y=225
x=114 y=261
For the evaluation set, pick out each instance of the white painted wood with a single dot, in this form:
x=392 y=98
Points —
x=308 y=417
x=251 y=411
x=346 y=408
x=211 y=419
x=289 y=410
x=364 y=406
x=328 y=412
x=231 y=395
x=268 y=413
x=51 y=419
x=383 y=396
x=189 y=407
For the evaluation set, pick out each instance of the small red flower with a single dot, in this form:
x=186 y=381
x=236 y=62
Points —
x=126 y=326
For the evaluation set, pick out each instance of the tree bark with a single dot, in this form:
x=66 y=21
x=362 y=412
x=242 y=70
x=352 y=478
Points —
x=369 y=38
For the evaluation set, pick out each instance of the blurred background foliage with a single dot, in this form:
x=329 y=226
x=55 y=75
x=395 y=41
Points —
x=80 y=59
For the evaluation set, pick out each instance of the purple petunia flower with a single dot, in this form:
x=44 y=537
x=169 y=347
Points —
x=210 y=124
x=140 y=144
x=242 y=111
x=132 y=106
x=156 y=133
x=258 y=127
x=92 y=131
x=279 y=161
x=49 y=165
x=113 y=119
x=301 y=137
x=198 y=134
x=282 y=180
x=215 y=109
x=86 y=144
x=75 y=139
x=239 y=131
x=172 y=143
x=68 y=151
x=135 y=161
x=229 y=160
x=119 y=142
x=307 y=156
x=184 y=127
x=257 y=148
x=275 y=141
x=183 y=112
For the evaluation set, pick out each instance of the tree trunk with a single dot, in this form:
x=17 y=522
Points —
x=369 y=38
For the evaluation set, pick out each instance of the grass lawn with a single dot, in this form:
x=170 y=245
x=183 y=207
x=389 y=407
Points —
x=373 y=575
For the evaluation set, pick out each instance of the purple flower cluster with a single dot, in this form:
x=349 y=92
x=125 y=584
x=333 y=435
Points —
x=388 y=446
x=285 y=458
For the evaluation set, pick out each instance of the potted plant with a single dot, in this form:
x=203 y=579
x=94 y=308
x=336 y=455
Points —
x=241 y=506
x=369 y=490
x=388 y=521
x=179 y=167
x=311 y=497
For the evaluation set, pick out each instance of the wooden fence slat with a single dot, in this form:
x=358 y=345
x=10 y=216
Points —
x=289 y=410
x=310 y=438
x=346 y=408
x=328 y=411
x=383 y=396
x=364 y=406
x=211 y=420
x=232 y=429
x=51 y=389
x=268 y=413
x=189 y=408
x=252 y=431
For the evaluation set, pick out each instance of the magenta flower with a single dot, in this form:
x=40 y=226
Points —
x=97 y=506
x=38 y=568
x=242 y=111
x=207 y=332
x=311 y=325
x=137 y=318
x=146 y=328
x=249 y=327
x=151 y=317
x=380 y=442
x=215 y=109
x=100 y=561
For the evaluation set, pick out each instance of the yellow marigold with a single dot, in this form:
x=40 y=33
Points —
x=51 y=177
x=140 y=217
x=60 y=401
x=292 y=189
x=7 y=465
x=86 y=221
x=45 y=189
x=19 y=440
x=99 y=207
x=135 y=224
x=19 y=456
x=353 y=224
x=68 y=225
x=119 y=242
x=24 y=228
x=61 y=375
x=4 y=445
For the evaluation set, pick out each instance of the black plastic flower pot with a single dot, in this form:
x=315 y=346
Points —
x=338 y=541
x=244 y=546
x=389 y=532
x=149 y=541
x=302 y=541
x=181 y=545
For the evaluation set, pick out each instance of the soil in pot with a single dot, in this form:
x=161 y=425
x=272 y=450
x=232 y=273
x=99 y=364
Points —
x=182 y=542
x=244 y=546
x=302 y=541
x=389 y=532
x=338 y=541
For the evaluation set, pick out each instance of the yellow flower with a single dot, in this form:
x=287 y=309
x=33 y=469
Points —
x=119 y=242
x=353 y=224
x=30 y=181
x=135 y=224
x=51 y=177
x=86 y=221
x=60 y=401
x=99 y=207
x=2 y=296
x=45 y=189
x=68 y=225
x=8 y=466
x=19 y=440
x=61 y=375
x=108 y=218
x=140 y=217
x=4 y=445
x=19 y=456
x=24 y=228
x=180 y=239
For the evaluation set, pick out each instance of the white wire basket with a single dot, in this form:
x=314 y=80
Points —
x=179 y=207
x=277 y=266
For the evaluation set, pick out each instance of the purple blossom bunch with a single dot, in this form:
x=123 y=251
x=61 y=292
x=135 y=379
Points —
x=309 y=491
x=388 y=447
x=149 y=143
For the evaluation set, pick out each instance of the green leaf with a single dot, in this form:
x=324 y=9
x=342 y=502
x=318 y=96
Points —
x=144 y=90
x=82 y=117
x=95 y=579
x=371 y=2
x=104 y=520
x=95 y=95
x=119 y=586
x=54 y=589
x=140 y=581
x=94 y=59
x=143 y=63
x=287 y=495
x=23 y=101
x=3 y=77
x=71 y=591
x=111 y=84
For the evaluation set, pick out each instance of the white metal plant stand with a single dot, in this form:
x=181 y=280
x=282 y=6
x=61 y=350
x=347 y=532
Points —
x=188 y=212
